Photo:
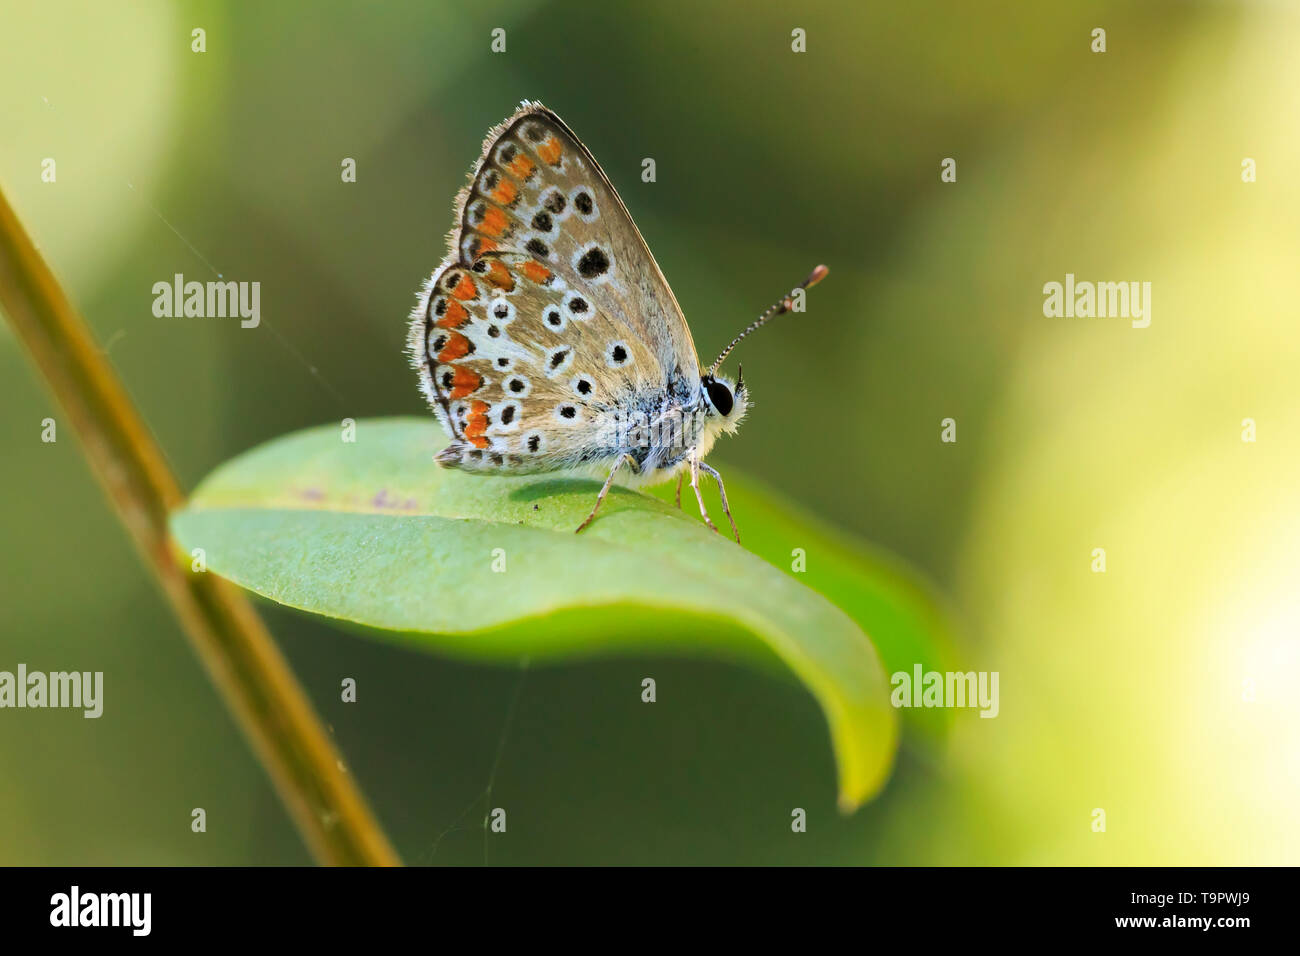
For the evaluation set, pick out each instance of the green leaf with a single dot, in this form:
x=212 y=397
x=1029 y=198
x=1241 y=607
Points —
x=373 y=532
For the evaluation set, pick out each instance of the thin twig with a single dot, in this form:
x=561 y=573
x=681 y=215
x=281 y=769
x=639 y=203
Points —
x=229 y=637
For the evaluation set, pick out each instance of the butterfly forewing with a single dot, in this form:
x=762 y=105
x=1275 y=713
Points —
x=549 y=312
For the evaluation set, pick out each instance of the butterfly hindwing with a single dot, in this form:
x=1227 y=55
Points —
x=549 y=310
x=510 y=360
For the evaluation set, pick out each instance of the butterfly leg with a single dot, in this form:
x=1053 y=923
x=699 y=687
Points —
x=605 y=488
x=679 y=491
x=722 y=491
x=695 y=485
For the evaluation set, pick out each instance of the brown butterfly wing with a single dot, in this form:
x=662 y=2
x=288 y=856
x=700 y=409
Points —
x=549 y=311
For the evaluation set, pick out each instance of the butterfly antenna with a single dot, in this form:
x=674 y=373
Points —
x=780 y=307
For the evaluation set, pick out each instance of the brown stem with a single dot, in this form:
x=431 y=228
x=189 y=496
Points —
x=229 y=637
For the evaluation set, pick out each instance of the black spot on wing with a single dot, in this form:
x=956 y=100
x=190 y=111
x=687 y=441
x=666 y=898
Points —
x=593 y=263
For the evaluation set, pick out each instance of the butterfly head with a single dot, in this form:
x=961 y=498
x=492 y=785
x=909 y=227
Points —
x=725 y=401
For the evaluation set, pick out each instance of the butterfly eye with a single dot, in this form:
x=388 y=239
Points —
x=719 y=396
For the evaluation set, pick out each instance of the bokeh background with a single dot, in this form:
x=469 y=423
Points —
x=1162 y=691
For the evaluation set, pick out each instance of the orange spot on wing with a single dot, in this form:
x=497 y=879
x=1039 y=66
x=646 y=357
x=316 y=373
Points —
x=464 y=288
x=477 y=424
x=500 y=276
x=485 y=246
x=454 y=317
x=550 y=151
x=505 y=193
x=457 y=347
x=463 y=382
x=521 y=167
x=494 y=222
x=536 y=272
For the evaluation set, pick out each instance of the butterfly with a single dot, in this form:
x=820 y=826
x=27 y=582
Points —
x=548 y=339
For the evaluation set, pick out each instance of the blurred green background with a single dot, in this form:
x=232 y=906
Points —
x=1163 y=691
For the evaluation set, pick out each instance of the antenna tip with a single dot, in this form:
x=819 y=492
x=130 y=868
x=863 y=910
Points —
x=821 y=272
